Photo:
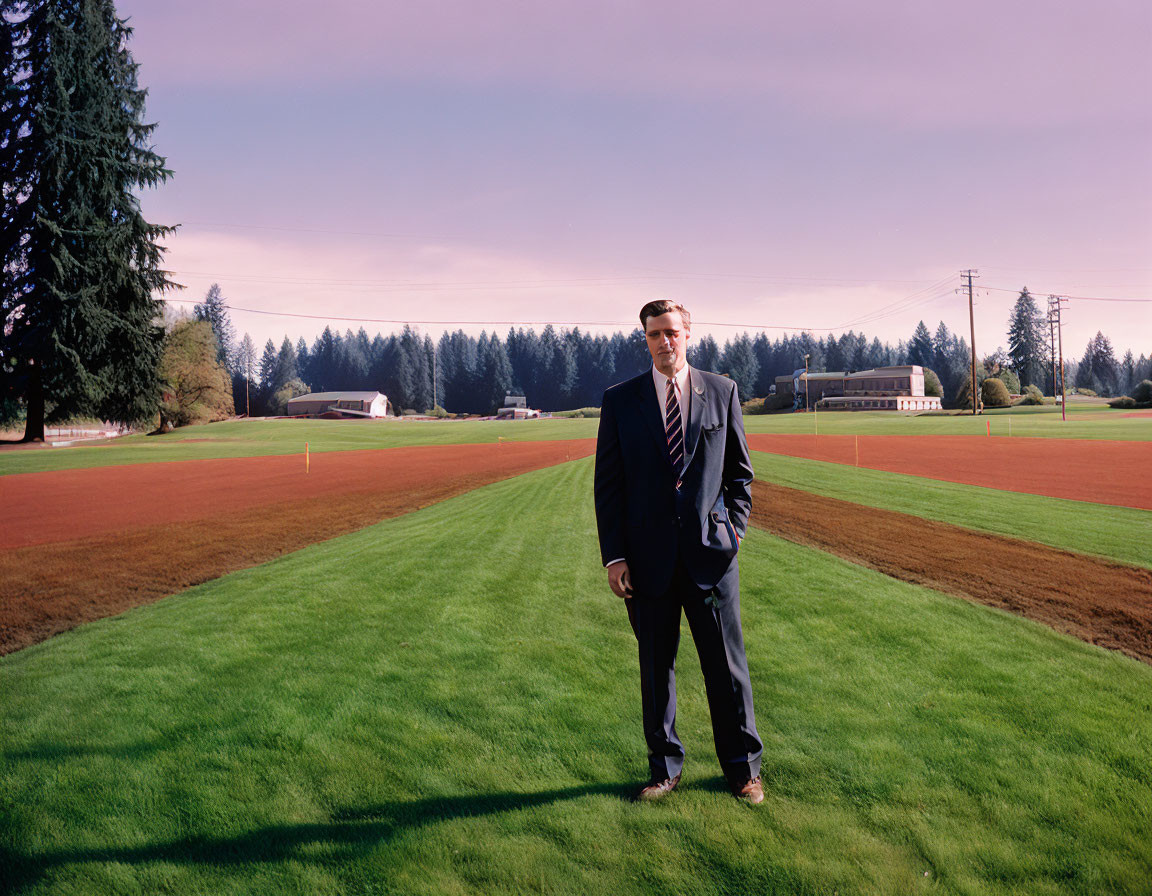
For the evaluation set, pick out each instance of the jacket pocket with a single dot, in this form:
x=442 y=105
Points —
x=718 y=533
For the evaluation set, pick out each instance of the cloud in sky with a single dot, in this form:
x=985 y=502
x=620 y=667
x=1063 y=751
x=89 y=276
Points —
x=910 y=63
x=362 y=283
x=779 y=157
x=384 y=285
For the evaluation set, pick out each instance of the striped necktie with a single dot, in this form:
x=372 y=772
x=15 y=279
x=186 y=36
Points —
x=673 y=431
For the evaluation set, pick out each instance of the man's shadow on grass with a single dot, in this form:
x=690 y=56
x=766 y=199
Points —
x=350 y=832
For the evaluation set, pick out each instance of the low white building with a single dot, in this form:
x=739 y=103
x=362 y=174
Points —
x=346 y=404
x=516 y=408
x=880 y=389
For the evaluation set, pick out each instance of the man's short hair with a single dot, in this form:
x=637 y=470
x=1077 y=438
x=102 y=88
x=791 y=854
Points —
x=663 y=306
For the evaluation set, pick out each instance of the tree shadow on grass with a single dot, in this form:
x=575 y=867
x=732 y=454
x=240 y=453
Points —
x=349 y=832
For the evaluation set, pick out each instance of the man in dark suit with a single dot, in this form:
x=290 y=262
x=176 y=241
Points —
x=672 y=504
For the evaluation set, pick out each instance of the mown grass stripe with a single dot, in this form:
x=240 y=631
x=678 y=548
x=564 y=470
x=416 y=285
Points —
x=258 y=438
x=1086 y=420
x=248 y=438
x=1118 y=533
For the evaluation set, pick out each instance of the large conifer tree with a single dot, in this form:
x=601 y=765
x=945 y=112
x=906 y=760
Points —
x=268 y=363
x=287 y=368
x=495 y=375
x=1098 y=368
x=920 y=348
x=215 y=310
x=739 y=362
x=80 y=265
x=1026 y=348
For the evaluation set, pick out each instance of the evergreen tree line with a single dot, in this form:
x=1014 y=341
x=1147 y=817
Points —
x=559 y=369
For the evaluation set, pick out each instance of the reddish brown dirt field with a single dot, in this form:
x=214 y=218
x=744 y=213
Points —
x=1103 y=603
x=79 y=545
x=1105 y=472
x=1137 y=414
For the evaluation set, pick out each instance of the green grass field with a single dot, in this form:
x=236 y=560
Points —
x=448 y=703
x=1118 y=533
x=1086 y=420
x=258 y=437
x=247 y=438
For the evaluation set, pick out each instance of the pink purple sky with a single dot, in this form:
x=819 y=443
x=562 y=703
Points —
x=806 y=166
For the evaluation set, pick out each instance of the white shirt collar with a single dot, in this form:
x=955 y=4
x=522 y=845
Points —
x=661 y=381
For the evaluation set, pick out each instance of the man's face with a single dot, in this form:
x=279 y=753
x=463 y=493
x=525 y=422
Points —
x=667 y=341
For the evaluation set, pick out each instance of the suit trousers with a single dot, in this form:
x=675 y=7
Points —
x=714 y=620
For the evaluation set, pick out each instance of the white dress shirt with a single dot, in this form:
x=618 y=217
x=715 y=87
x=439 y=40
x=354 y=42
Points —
x=661 y=381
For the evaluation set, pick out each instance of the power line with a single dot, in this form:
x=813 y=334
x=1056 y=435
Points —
x=311 y=230
x=410 y=284
x=914 y=299
x=934 y=292
x=531 y=284
x=480 y=323
x=1078 y=298
x=1067 y=270
x=774 y=277
x=900 y=306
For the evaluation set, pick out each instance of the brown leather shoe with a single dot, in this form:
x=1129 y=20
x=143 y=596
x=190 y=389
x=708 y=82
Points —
x=657 y=790
x=752 y=791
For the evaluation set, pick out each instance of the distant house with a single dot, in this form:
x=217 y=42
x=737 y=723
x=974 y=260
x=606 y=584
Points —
x=515 y=408
x=343 y=404
x=880 y=389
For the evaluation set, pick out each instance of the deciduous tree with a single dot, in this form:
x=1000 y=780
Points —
x=195 y=385
x=994 y=393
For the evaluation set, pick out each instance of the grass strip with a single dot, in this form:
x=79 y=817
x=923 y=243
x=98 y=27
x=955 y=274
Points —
x=448 y=702
x=248 y=438
x=1085 y=421
x=257 y=438
x=1118 y=533
x=1096 y=600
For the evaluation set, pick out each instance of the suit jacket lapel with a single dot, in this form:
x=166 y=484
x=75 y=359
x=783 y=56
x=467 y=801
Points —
x=650 y=411
x=696 y=407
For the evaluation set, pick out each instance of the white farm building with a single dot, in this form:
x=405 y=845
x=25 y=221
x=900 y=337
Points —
x=345 y=404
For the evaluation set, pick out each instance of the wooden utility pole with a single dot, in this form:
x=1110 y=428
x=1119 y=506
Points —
x=1060 y=343
x=968 y=275
x=1055 y=303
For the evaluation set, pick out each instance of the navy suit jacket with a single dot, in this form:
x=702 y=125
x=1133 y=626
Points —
x=651 y=516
